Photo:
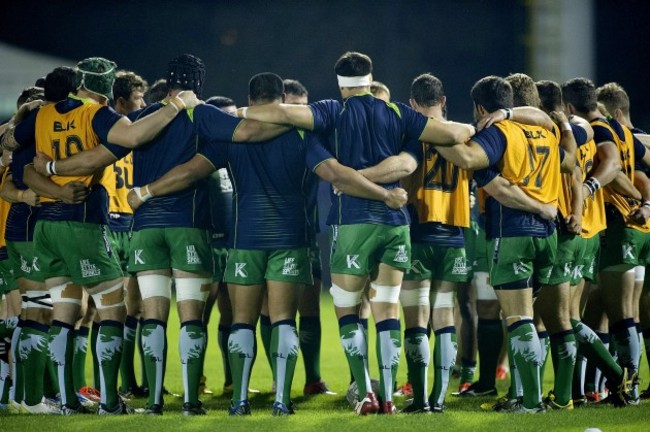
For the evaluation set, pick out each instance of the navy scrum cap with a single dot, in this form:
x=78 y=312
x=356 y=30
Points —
x=187 y=72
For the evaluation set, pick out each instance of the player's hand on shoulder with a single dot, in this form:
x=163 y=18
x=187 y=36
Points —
x=189 y=98
x=396 y=198
x=490 y=119
x=559 y=116
x=74 y=192
x=40 y=163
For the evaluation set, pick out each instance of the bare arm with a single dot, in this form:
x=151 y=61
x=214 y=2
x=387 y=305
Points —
x=622 y=185
x=584 y=124
x=609 y=163
x=178 y=178
x=526 y=115
x=255 y=131
x=446 y=133
x=131 y=135
x=641 y=214
x=83 y=163
x=391 y=169
x=567 y=142
x=470 y=156
x=512 y=196
x=12 y=194
x=645 y=140
x=70 y=193
x=350 y=182
x=287 y=114
x=574 y=220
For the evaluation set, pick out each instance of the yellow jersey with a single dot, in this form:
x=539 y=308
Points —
x=439 y=190
x=593 y=210
x=117 y=180
x=4 y=212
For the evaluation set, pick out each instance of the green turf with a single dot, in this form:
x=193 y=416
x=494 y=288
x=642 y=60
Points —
x=327 y=412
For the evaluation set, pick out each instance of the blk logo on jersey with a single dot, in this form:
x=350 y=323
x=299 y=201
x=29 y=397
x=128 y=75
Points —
x=401 y=256
x=137 y=255
x=192 y=255
x=88 y=269
x=290 y=267
x=240 y=270
x=352 y=261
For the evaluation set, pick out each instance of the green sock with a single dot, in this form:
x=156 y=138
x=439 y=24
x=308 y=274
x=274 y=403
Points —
x=79 y=357
x=355 y=347
x=33 y=351
x=127 y=371
x=444 y=358
x=563 y=352
x=578 y=386
x=309 y=335
x=389 y=344
x=284 y=352
x=94 y=335
x=154 y=346
x=222 y=337
x=192 y=350
x=515 y=390
x=489 y=337
x=61 y=348
x=241 y=353
x=545 y=349
x=265 y=334
x=597 y=354
x=416 y=348
x=526 y=355
x=109 y=355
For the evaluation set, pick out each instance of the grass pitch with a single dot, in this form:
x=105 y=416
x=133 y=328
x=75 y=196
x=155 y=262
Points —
x=326 y=412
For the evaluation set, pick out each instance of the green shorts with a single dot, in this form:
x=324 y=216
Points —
x=7 y=280
x=219 y=258
x=437 y=263
x=121 y=246
x=623 y=248
x=186 y=249
x=517 y=260
x=570 y=251
x=75 y=249
x=255 y=267
x=358 y=249
x=590 y=258
x=23 y=261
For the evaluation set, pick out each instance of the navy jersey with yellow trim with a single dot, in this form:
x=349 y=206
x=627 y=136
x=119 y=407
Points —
x=60 y=131
x=510 y=157
x=270 y=188
x=362 y=132
x=176 y=144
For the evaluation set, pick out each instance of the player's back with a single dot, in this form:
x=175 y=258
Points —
x=270 y=192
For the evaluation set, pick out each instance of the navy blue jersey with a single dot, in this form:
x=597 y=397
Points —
x=175 y=145
x=500 y=220
x=269 y=188
x=363 y=131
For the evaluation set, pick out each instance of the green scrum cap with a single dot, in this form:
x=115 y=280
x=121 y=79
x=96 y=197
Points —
x=96 y=75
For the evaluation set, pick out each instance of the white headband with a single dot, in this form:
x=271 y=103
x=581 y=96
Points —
x=355 y=81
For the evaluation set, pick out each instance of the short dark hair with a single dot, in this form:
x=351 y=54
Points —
x=353 y=64
x=220 y=101
x=550 y=95
x=295 y=87
x=427 y=90
x=29 y=94
x=614 y=97
x=40 y=82
x=492 y=93
x=265 y=87
x=581 y=93
x=126 y=82
x=59 y=83
x=157 y=92
x=524 y=90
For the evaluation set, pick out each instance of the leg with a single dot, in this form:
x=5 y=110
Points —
x=442 y=317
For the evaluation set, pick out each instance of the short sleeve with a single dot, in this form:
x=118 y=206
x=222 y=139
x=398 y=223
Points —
x=25 y=131
x=414 y=147
x=412 y=121
x=213 y=124
x=639 y=153
x=493 y=143
x=485 y=176
x=216 y=152
x=103 y=120
x=602 y=134
x=325 y=113
x=315 y=150
x=579 y=134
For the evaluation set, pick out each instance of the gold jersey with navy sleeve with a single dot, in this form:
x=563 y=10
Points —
x=4 y=211
x=439 y=190
x=538 y=172
x=61 y=135
x=624 y=141
x=117 y=180
x=593 y=210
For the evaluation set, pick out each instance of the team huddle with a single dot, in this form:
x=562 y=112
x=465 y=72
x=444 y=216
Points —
x=108 y=203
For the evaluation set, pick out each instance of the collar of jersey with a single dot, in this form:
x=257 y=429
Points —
x=82 y=100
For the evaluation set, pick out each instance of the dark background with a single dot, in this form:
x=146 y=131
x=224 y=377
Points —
x=459 y=41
